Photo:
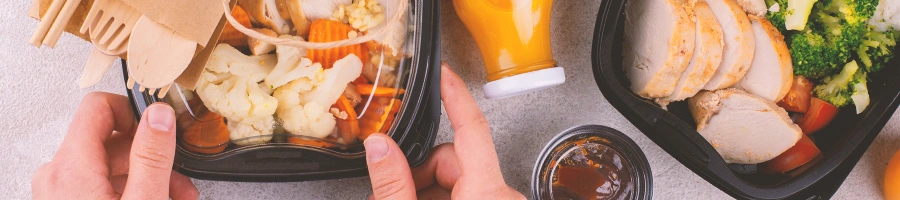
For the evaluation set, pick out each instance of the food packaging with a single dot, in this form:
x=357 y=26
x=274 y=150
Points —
x=842 y=142
x=514 y=39
x=626 y=169
x=414 y=126
x=199 y=21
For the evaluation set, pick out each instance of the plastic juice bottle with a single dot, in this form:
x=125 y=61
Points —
x=514 y=39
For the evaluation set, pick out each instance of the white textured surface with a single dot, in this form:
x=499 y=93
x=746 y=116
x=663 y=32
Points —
x=40 y=95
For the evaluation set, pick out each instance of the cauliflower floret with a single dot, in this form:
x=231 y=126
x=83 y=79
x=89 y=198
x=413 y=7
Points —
x=336 y=79
x=291 y=64
x=237 y=99
x=321 y=122
x=229 y=87
x=311 y=119
x=258 y=131
x=305 y=90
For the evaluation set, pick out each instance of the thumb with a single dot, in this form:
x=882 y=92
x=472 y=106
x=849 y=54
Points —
x=152 y=152
x=388 y=169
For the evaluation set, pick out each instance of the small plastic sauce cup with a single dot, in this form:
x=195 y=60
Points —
x=592 y=162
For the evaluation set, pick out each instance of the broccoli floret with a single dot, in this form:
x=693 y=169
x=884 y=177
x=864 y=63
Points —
x=852 y=11
x=839 y=26
x=839 y=88
x=798 y=14
x=777 y=16
x=814 y=57
x=876 y=49
x=860 y=95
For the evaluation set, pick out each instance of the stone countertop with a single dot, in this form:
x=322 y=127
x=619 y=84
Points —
x=41 y=95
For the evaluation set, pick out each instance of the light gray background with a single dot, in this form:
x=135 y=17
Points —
x=40 y=94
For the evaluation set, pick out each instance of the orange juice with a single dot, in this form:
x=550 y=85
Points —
x=514 y=39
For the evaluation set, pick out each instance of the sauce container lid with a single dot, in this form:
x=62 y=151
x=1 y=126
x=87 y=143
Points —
x=591 y=160
x=524 y=83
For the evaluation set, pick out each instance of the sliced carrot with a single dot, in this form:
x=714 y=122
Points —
x=360 y=80
x=349 y=127
x=380 y=91
x=379 y=117
x=322 y=143
x=232 y=36
x=324 y=30
x=395 y=107
x=209 y=135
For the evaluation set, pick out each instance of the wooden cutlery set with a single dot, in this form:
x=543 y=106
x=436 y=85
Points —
x=156 y=54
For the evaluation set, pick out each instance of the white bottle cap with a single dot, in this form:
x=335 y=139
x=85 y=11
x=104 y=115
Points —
x=524 y=83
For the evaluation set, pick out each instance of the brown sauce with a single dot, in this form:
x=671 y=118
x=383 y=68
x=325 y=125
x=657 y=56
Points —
x=590 y=170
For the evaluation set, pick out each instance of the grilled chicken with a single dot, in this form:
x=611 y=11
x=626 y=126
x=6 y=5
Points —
x=659 y=43
x=739 y=44
x=754 y=7
x=742 y=127
x=771 y=73
x=707 y=55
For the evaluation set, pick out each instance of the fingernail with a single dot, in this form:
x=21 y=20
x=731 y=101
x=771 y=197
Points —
x=376 y=148
x=161 y=117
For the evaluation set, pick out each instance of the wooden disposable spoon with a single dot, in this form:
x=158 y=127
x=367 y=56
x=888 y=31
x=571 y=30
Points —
x=157 y=55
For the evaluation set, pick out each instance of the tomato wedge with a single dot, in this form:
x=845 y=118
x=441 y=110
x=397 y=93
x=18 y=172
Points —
x=797 y=98
x=801 y=153
x=819 y=115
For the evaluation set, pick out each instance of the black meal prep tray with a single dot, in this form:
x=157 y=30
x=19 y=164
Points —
x=842 y=143
x=414 y=129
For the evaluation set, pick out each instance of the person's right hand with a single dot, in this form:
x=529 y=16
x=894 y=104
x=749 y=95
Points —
x=470 y=171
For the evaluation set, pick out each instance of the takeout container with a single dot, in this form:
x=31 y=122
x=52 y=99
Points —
x=842 y=143
x=414 y=127
x=640 y=175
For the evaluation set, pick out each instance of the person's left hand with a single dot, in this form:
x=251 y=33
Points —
x=106 y=155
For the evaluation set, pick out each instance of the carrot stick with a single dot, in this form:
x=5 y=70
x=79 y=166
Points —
x=349 y=127
x=322 y=143
x=366 y=89
x=209 y=135
x=324 y=30
x=379 y=119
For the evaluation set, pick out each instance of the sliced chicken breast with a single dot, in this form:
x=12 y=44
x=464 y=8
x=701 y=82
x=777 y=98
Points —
x=659 y=43
x=708 y=47
x=771 y=73
x=742 y=127
x=739 y=44
x=754 y=7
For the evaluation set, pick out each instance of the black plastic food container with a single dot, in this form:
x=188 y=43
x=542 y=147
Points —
x=842 y=143
x=414 y=129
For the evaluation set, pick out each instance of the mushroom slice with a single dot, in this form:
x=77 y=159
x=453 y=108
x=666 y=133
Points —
x=259 y=47
x=265 y=13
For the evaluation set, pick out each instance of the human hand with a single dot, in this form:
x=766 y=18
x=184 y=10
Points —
x=106 y=155
x=476 y=176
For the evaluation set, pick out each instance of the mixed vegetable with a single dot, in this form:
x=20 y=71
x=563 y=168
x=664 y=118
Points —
x=826 y=38
x=834 y=50
x=253 y=92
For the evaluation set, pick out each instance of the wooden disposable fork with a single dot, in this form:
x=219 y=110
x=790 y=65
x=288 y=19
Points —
x=109 y=24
